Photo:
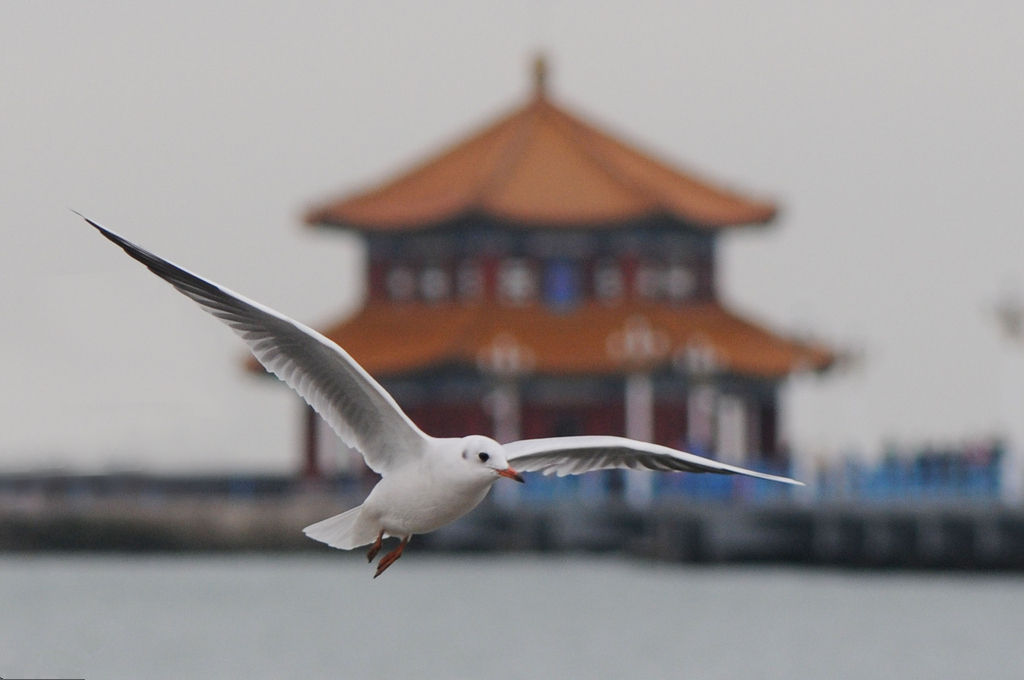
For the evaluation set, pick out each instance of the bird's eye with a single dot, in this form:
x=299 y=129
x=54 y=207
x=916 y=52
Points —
x=484 y=457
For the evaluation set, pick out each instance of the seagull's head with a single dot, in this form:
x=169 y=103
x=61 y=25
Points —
x=487 y=456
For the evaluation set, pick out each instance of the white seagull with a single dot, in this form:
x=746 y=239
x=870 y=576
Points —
x=426 y=482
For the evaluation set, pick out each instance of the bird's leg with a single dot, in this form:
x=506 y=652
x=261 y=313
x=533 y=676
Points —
x=390 y=558
x=375 y=548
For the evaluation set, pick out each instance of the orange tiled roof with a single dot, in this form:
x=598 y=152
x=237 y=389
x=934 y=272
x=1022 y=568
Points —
x=541 y=166
x=389 y=340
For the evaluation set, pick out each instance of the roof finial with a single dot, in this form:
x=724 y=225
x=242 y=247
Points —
x=540 y=75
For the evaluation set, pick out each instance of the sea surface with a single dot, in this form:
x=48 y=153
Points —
x=497 y=617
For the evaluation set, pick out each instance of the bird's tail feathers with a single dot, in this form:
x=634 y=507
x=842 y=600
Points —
x=343 y=531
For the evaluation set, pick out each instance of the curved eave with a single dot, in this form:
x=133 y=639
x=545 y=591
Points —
x=472 y=216
x=394 y=340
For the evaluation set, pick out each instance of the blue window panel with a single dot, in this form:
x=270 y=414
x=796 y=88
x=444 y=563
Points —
x=561 y=283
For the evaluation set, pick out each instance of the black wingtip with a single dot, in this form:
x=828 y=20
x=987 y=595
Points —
x=182 y=279
x=102 y=230
x=133 y=250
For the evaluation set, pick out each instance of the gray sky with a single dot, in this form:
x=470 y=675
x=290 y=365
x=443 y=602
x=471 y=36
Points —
x=891 y=134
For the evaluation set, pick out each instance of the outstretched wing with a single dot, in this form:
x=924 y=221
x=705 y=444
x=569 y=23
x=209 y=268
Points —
x=364 y=415
x=576 y=455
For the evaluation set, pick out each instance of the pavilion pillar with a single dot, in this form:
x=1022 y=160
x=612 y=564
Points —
x=505 y=359
x=639 y=399
x=311 y=444
x=700 y=416
x=731 y=429
x=506 y=413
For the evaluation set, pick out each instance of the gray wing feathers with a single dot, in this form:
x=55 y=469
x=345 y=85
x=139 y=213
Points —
x=347 y=397
x=576 y=455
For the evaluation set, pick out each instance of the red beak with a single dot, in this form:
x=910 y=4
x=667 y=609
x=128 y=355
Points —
x=512 y=474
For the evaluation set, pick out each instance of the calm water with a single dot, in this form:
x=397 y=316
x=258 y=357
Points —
x=497 y=617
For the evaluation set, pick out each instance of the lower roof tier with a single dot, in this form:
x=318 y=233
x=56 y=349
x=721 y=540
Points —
x=390 y=340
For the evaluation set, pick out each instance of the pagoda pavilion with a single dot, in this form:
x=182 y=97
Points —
x=544 y=278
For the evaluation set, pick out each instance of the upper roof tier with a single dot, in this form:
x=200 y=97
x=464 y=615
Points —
x=542 y=167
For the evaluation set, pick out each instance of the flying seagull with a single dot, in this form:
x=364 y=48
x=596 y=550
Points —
x=426 y=482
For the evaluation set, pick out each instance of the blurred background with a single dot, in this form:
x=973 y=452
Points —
x=887 y=136
x=884 y=142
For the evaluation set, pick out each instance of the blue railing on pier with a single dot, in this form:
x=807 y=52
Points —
x=928 y=477
x=915 y=480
